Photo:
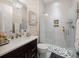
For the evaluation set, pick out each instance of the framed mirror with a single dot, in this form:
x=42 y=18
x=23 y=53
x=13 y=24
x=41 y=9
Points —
x=32 y=18
x=23 y=25
x=20 y=18
x=5 y=18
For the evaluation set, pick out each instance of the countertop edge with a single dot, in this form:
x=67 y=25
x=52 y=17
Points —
x=9 y=50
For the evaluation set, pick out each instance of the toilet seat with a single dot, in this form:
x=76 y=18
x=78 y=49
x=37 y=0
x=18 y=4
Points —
x=42 y=46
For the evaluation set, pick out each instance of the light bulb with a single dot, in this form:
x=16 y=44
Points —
x=46 y=14
x=56 y=3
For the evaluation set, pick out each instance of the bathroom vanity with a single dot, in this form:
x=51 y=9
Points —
x=20 y=48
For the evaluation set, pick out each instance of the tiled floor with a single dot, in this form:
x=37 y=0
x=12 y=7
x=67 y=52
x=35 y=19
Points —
x=57 y=52
x=53 y=55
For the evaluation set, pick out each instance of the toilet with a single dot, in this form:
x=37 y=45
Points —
x=42 y=50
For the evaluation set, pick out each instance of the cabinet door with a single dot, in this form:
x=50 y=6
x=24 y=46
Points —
x=32 y=49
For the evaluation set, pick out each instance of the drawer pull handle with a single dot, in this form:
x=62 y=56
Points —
x=33 y=55
x=34 y=49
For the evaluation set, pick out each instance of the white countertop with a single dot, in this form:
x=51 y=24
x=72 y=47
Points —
x=15 y=43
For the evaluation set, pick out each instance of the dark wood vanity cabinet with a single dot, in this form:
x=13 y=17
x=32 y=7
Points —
x=32 y=50
x=27 y=51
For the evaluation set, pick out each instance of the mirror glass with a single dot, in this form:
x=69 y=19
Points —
x=23 y=25
x=19 y=18
x=5 y=18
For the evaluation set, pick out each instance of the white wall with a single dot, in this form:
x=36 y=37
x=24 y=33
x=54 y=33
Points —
x=64 y=11
x=41 y=7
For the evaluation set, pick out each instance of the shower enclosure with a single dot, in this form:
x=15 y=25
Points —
x=64 y=34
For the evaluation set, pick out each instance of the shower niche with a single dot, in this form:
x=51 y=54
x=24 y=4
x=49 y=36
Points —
x=56 y=23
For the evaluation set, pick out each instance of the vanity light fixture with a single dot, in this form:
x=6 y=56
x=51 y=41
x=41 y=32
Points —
x=56 y=3
x=46 y=14
x=15 y=3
